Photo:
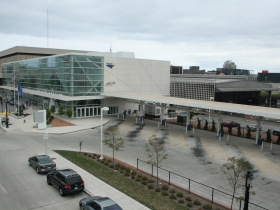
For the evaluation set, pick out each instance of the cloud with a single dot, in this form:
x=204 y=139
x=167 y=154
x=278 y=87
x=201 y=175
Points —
x=204 y=33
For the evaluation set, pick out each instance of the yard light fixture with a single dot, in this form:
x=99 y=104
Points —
x=102 y=109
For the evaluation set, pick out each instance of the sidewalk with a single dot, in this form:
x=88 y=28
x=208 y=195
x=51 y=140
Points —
x=94 y=186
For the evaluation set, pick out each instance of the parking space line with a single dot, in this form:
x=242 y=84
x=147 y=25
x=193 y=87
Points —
x=177 y=139
x=214 y=150
x=261 y=161
x=3 y=189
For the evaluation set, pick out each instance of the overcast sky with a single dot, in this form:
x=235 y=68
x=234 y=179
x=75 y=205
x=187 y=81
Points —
x=187 y=33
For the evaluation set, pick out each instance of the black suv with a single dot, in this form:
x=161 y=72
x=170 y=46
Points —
x=67 y=181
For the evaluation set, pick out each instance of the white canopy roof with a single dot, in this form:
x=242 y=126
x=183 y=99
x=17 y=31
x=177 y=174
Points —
x=227 y=107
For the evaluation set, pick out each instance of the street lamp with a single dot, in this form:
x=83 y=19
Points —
x=102 y=109
x=7 y=122
x=249 y=177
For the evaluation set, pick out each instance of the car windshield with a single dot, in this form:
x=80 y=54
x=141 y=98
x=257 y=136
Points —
x=74 y=180
x=114 y=207
x=45 y=160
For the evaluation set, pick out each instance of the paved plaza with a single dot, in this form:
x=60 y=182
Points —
x=198 y=157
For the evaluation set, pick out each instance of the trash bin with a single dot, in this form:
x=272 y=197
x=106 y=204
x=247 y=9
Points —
x=189 y=127
x=260 y=140
x=163 y=122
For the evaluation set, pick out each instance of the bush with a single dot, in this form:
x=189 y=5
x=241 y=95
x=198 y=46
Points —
x=98 y=156
x=207 y=207
x=144 y=178
x=127 y=170
x=181 y=201
x=106 y=163
x=144 y=182
x=150 y=186
x=189 y=204
x=139 y=176
x=157 y=189
x=173 y=197
x=133 y=173
x=92 y=157
x=104 y=159
x=111 y=166
x=179 y=194
x=94 y=154
x=172 y=191
x=121 y=172
x=118 y=165
x=126 y=174
x=164 y=193
x=109 y=161
x=188 y=198
x=138 y=179
x=197 y=202
x=122 y=167
x=151 y=181
x=85 y=153
x=165 y=187
x=132 y=177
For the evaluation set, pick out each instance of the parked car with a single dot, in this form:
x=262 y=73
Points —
x=276 y=132
x=233 y=123
x=66 y=181
x=253 y=127
x=42 y=163
x=3 y=121
x=97 y=202
x=11 y=102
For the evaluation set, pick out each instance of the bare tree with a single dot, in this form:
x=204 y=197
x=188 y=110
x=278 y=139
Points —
x=235 y=169
x=113 y=140
x=156 y=152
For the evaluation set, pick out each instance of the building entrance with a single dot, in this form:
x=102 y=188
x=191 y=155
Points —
x=88 y=111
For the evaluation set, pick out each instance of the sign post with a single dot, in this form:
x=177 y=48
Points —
x=46 y=137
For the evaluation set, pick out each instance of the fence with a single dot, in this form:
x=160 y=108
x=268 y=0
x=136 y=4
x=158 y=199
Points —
x=191 y=186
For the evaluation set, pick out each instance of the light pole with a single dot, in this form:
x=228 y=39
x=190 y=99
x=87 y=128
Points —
x=102 y=109
x=7 y=122
x=249 y=177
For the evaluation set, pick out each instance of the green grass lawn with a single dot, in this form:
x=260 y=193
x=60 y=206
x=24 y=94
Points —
x=149 y=198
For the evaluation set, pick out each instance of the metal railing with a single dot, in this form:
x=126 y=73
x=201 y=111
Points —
x=192 y=186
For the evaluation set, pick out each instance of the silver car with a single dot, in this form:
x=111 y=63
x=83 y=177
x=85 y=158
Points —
x=97 y=202
x=253 y=127
x=42 y=163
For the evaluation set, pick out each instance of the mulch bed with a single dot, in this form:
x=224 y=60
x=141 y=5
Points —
x=56 y=122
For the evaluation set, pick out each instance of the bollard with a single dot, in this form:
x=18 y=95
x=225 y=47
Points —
x=227 y=136
x=271 y=145
x=136 y=119
x=220 y=137
x=262 y=146
x=23 y=121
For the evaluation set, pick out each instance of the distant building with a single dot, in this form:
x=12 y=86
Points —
x=193 y=70
x=229 y=65
x=268 y=77
x=176 y=69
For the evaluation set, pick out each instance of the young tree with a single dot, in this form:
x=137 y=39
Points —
x=235 y=169
x=156 y=152
x=69 y=113
x=113 y=140
x=206 y=125
x=52 y=109
x=230 y=129
x=198 y=123
x=268 y=135
x=248 y=134
x=213 y=129
x=239 y=131
x=61 y=110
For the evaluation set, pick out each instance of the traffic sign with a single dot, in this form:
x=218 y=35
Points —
x=46 y=136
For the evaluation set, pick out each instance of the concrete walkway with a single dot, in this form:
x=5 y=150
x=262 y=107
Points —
x=94 y=186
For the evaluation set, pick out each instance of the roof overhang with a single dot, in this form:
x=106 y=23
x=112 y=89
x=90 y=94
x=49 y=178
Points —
x=54 y=95
x=226 y=107
x=246 y=89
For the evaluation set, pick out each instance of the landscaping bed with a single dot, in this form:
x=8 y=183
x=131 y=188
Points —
x=137 y=184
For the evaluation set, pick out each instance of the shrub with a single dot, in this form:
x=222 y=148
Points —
x=94 y=154
x=189 y=204
x=164 y=193
x=118 y=165
x=181 y=201
x=92 y=157
x=85 y=153
x=144 y=182
x=133 y=173
x=109 y=161
x=172 y=191
x=207 y=207
x=197 y=202
x=172 y=196
x=126 y=174
x=150 y=186
x=127 y=170
x=157 y=189
x=98 y=156
x=139 y=176
x=217 y=209
x=132 y=177
x=144 y=178
x=164 y=187
x=111 y=166
x=121 y=172
x=106 y=163
x=104 y=159
x=122 y=167
x=188 y=198
x=138 y=179
x=151 y=181
x=179 y=194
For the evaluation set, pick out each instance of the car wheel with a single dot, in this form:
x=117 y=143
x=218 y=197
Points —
x=61 y=192
x=29 y=163
x=81 y=207
x=49 y=181
x=37 y=170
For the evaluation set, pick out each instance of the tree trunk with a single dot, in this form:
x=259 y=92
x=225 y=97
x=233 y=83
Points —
x=232 y=198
